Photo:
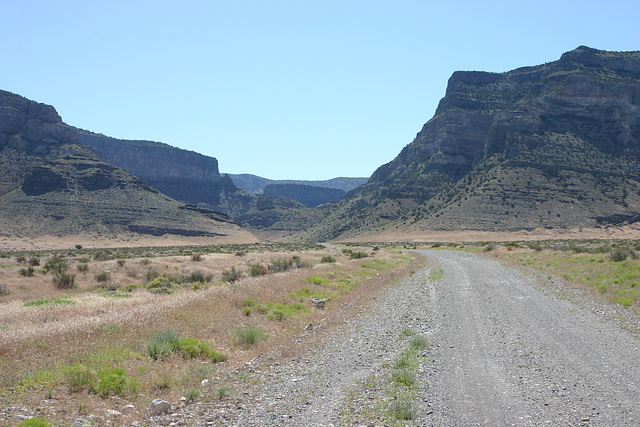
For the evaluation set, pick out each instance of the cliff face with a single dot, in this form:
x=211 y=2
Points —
x=183 y=175
x=306 y=194
x=555 y=145
x=52 y=184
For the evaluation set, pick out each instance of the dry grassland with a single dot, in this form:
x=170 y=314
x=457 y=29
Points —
x=49 y=336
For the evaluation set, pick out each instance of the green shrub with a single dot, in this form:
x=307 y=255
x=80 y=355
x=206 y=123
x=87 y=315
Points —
x=198 y=276
x=192 y=394
x=625 y=301
x=231 y=275
x=57 y=264
x=403 y=408
x=357 y=255
x=4 y=290
x=84 y=260
x=418 y=343
x=78 y=376
x=249 y=335
x=327 y=259
x=105 y=276
x=196 y=257
x=316 y=280
x=403 y=377
x=131 y=287
x=34 y=261
x=111 y=382
x=162 y=344
x=35 y=422
x=64 y=281
x=27 y=272
x=257 y=270
x=82 y=268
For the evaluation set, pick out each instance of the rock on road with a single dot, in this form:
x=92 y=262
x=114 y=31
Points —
x=505 y=351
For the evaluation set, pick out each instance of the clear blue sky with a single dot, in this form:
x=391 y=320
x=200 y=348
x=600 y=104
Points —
x=281 y=89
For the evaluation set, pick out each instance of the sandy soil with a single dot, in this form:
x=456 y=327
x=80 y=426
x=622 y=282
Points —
x=627 y=232
x=9 y=244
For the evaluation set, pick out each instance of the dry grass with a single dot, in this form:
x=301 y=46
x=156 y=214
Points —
x=108 y=329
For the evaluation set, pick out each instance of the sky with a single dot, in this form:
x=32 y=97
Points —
x=282 y=89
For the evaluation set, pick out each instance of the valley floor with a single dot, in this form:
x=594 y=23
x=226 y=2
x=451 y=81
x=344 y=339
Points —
x=504 y=349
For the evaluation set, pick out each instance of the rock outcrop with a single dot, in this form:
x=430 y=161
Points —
x=52 y=184
x=555 y=145
x=306 y=194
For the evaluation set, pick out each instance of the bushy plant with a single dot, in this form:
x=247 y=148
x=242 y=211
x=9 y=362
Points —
x=162 y=344
x=257 y=270
x=249 y=335
x=78 y=376
x=82 y=268
x=231 y=275
x=4 y=290
x=357 y=255
x=28 y=272
x=113 y=382
x=57 y=264
x=64 y=281
x=35 y=422
x=103 y=277
x=34 y=261
x=327 y=259
x=198 y=276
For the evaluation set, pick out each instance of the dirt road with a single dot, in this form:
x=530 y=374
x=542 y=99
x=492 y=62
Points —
x=504 y=351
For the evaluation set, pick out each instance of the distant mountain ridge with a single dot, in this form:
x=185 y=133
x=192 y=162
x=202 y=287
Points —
x=255 y=184
x=549 y=146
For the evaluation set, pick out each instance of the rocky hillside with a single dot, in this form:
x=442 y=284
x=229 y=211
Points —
x=549 y=146
x=52 y=184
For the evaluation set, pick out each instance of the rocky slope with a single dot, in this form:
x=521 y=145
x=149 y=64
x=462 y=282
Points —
x=555 y=146
x=51 y=184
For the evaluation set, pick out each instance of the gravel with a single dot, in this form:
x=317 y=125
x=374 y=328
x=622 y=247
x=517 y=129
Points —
x=505 y=349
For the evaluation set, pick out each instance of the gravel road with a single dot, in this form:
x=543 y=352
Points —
x=505 y=350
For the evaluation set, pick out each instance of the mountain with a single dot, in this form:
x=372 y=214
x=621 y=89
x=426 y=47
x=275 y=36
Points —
x=306 y=194
x=51 y=184
x=255 y=184
x=184 y=175
x=549 y=146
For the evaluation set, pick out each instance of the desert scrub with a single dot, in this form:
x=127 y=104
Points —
x=327 y=260
x=160 y=285
x=247 y=336
x=27 y=272
x=64 y=281
x=79 y=377
x=105 y=276
x=198 y=276
x=162 y=344
x=231 y=275
x=35 y=422
x=257 y=270
x=115 y=382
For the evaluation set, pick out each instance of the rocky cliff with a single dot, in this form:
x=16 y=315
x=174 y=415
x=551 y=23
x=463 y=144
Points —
x=555 y=145
x=184 y=175
x=255 y=184
x=306 y=194
x=52 y=184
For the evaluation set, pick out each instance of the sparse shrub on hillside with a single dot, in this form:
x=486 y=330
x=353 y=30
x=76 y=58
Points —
x=64 y=281
x=280 y=265
x=249 y=335
x=78 y=377
x=114 y=382
x=21 y=259
x=198 y=276
x=357 y=255
x=34 y=261
x=57 y=264
x=621 y=254
x=4 y=290
x=28 y=272
x=162 y=344
x=102 y=277
x=231 y=275
x=257 y=270
x=145 y=261
x=83 y=268
x=327 y=259
x=196 y=257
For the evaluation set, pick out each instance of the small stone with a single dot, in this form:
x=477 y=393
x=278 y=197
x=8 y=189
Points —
x=113 y=413
x=128 y=409
x=309 y=327
x=159 y=407
x=62 y=412
x=204 y=382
